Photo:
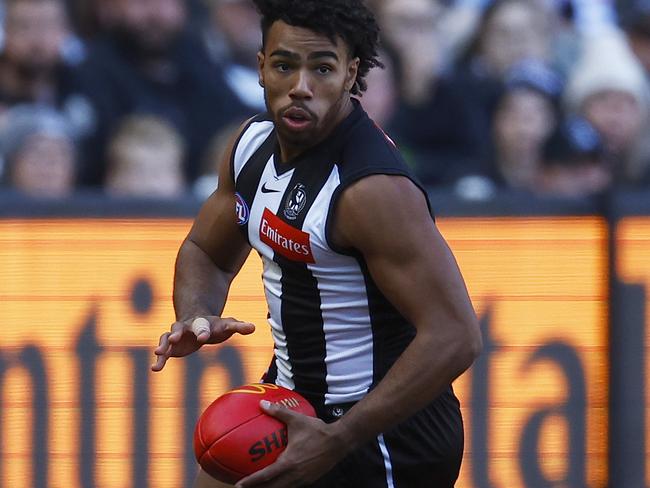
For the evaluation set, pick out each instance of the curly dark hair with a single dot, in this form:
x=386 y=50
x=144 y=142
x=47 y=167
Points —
x=349 y=19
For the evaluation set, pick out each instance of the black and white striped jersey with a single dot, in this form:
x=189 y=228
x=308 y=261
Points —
x=335 y=333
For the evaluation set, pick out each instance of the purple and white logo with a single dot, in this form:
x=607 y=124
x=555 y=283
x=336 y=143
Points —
x=243 y=213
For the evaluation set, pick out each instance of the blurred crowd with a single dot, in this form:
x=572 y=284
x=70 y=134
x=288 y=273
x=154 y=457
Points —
x=138 y=98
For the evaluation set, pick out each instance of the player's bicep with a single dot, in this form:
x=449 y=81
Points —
x=423 y=282
x=215 y=232
x=405 y=253
x=215 y=229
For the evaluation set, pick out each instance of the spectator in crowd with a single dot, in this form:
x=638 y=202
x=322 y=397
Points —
x=148 y=62
x=233 y=39
x=409 y=31
x=381 y=98
x=38 y=152
x=145 y=159
x=32 y=66
x=574 y=163
x=510 y=31
x=92 y=17
x=432 y=124
x=459 y=21
x=608 y=87
x=525 y=116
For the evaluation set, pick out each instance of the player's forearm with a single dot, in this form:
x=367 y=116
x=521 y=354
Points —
x=200 y=286
x=425 y=369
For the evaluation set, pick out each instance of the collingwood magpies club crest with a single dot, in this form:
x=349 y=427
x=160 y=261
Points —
x=296 y=202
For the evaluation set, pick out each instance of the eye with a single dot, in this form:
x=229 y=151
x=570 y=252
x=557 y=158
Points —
x=282 y=67
x=324 y=69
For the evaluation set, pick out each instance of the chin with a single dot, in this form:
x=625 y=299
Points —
x=305 y=138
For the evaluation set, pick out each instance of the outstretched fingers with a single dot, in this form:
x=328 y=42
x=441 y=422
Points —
x=170 y=344
x=162 y=352
x=185 y=337
x=177 y=331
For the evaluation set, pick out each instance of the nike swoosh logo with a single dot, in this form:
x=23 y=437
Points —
x=268 y=190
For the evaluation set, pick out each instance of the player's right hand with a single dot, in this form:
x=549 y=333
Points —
x=188 y=336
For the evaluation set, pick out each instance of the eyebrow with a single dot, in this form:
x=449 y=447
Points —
x=323 y=54
x=313 y=55
x=285 y=54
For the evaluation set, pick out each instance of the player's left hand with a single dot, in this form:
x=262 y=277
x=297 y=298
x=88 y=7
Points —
x=314 y=448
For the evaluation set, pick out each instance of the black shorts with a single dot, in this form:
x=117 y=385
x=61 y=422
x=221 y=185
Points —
x=424 y=451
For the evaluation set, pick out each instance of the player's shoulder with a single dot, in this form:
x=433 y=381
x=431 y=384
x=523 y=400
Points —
x=378 y=190
x=253 y=136
x=226 y=165
x=379 y=206
x=371 y=167
x=261 y=122
x=369 y=150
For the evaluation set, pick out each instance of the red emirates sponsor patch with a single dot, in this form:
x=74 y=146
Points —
x=284 y=239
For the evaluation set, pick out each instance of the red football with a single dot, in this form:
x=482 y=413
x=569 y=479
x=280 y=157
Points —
x=234 y=438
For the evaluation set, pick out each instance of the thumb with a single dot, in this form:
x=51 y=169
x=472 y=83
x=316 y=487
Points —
x=278 y=411
x=243 y=328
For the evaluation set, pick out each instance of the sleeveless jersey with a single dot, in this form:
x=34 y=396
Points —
x=335 y=333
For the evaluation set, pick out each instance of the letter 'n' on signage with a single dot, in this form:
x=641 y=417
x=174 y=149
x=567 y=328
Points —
x=285 y=239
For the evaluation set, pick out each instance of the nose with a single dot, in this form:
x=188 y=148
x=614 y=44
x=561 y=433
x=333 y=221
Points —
x=301 y=87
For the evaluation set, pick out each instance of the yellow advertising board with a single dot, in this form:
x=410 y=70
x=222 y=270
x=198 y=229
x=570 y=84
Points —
x=82 y=303
x=539 y=390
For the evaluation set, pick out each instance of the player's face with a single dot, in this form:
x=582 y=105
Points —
x=307 y=81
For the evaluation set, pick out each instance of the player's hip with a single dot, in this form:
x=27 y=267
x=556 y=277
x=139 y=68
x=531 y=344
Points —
x=424 y=451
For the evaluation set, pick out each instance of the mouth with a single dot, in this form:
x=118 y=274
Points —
x=297 y=118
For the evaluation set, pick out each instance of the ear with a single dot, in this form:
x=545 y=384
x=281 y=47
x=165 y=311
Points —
x=353 y=70
x=260 y=68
